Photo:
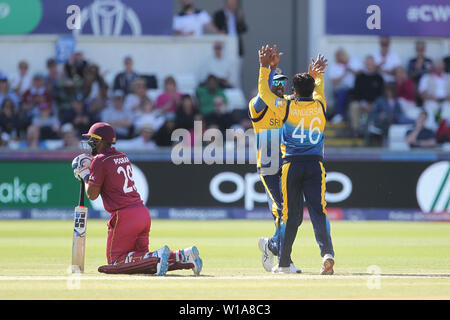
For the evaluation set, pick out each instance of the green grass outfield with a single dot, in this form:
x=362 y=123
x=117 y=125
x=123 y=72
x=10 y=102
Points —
x=412 y=260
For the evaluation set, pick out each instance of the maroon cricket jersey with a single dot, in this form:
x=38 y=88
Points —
x=111 y=171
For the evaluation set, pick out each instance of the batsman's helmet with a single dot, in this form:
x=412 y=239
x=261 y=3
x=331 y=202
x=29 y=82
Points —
x=102 y=131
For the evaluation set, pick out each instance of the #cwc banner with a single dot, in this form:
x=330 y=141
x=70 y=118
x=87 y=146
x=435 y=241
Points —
x=97 y=17
x=413 y=18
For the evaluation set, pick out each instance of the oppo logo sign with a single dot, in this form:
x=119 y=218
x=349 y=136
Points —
x=245 y=188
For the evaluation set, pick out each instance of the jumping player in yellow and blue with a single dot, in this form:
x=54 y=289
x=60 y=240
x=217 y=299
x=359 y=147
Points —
x=267 y=125
x=302 y=149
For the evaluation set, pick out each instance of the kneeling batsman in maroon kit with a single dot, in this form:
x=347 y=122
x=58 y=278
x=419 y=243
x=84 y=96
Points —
x=107 y=172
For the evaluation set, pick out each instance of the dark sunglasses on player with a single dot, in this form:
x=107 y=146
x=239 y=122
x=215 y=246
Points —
x=93 y=142
x=277 y=83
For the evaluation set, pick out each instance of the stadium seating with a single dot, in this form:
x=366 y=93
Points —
x=396 y=137
x=236 y=99
x=154 y=93
x=186 y=83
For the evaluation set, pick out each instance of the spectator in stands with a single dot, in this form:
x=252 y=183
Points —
x=386 y=60
x=37 y=94
x=406 y=94
x=163 y=137
x=169 y=100
x=443 y=133
x=244 y=124
x=65 y=91
x=144 y=141
x=386 y=111
x=207 y=93
x=92 y=82
x=9 y=121
x=191 y=21
x=118 y=117
x=148 y=116
x=230 y=20
x=32 y=99
x=447 y=64
x=369 y=85
x=123 y=80
x=420 y=136
x=52 y=77
x=25 y=115
x=434 y=89
x=44 y=126
x=76 y=64
x=219 y=118
x=4 y=139
x=219 y=66
x=21 y=81
x=342 y=74
x=137 y=97
x=420 y=64
x=187 y=113
x=78 y=116
x=69 y=137
x=6 y=93
x=99 y=103
x=405 y=86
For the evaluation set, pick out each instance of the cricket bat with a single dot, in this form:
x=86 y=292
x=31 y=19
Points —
x=79 y=233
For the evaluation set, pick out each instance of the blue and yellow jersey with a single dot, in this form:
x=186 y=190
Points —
x=303 y=120
x=266 y=125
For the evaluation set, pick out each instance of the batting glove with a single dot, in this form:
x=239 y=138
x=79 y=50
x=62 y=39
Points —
x=82 y=160
x=80 y=166
x=81 y=173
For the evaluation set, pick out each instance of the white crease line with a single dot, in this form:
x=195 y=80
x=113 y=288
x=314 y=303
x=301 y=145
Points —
x=176 y=278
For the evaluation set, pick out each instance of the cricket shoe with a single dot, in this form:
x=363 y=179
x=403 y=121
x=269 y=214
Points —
x=191 y=255
x=290 y=269
x=267 y=255
x=163 y=264
x=294 y=269
x=327 y=265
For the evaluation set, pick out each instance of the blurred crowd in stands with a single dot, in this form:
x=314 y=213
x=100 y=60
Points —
x=52 y=110
x=383 y=90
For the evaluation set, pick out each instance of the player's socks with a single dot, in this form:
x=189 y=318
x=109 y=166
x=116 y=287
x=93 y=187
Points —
x=177 y=261
x=175 y=256
x=188 y=258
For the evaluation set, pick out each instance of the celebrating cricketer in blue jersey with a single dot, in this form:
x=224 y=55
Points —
x=302 y=149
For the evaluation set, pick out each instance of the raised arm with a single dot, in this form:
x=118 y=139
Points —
x=278 y=105
x=258 y=103
x=316 y=70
